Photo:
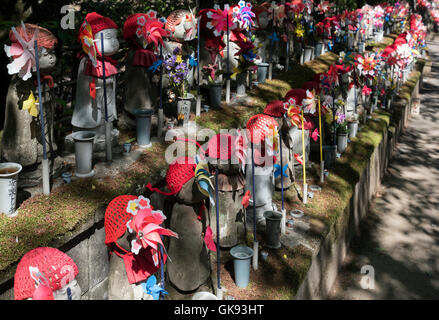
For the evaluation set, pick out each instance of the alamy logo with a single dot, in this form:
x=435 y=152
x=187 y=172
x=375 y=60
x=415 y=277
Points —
x=368 y=280
x=68 y=20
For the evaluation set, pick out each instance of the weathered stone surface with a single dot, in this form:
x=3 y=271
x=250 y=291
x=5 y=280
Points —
x=100 y=291
x=98 y=257
x=21 y=139
x=140 y=91
x=188 y=266
x=230 y=205
x=286 y=160
x=264 y=183
x=79 y=254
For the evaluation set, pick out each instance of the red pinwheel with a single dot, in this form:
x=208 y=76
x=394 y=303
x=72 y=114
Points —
x=208 y=240
x=298 y=158
x=246 y=199
x=146 y=224
x=315 y=134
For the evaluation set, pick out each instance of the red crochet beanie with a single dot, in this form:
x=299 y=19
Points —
x=258 y=126
x=275 y=109
x=99 y=23
x=116 y=218
x=50 y=262
x=296 y=94
x=311 y=85
x=44 y=39
x=179 y=172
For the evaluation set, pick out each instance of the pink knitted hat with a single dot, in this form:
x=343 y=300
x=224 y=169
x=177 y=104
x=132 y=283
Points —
x=50 y=262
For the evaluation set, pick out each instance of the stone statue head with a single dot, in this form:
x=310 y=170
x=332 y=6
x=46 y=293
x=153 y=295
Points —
x=182 y=25
x=262 y=16
x=105 y=27
x=111 y=44
x=22 y=49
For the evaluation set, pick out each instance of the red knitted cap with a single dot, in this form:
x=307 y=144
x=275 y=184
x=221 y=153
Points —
x=99 y=23
x=296 y=94
x=50 y=262
x=258 y=126
x=275 y=109
x=45 y=38
x=130 y=26
x=116 y=218
x=180 y=172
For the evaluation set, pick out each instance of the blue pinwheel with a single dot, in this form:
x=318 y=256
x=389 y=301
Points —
x=277 y=170
x=274 y=36
x=151 y=287
x=155 y=65
x=192 y=61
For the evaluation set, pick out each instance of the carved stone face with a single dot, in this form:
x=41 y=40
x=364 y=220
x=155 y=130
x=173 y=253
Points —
x=262 y=21
x=71 y=289
x=111 y=44
x=47 y=58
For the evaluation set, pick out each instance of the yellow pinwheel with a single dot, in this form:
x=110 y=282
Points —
x=31 y=105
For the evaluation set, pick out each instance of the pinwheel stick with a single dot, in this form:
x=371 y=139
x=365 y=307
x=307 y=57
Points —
x=108 y=152
x=45 y=162
x=305 y=186
x=283 y=220
x=162 y=271
x=228 y=62
x=270 y=66
x=218 y=265
x=255 y=241
x=160 y=116
x=322 y=162
x=198 y=106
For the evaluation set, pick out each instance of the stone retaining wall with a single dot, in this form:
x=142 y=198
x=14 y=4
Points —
x=333 y=248
x=87 y=248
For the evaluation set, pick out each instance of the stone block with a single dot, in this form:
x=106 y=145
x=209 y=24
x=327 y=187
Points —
x=100 y=291
x=79 y=254
x=97 y=258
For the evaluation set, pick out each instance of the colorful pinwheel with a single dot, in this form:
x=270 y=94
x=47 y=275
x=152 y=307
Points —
x=86 y=38
x=153 y=288
x=218 y=20
x=145 y=223
x=23 y=55
x=277 y=170
x=243 y=15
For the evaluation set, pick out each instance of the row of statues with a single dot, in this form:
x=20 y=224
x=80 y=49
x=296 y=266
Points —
x=149 y=39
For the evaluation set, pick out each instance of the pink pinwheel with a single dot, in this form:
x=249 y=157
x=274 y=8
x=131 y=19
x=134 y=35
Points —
x=23 y=54
x=153 y=32
x=145 y=223
x=308 y=103
x=246 y=199
x=208 y=240
x=218 y=20
x=315 y=134
x=366 y=91
x=298 y=158
x=244 y=15
x=332 y=75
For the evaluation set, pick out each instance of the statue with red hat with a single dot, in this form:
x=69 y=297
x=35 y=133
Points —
x=21 y=142
x=46 y=274
x=89 y=110
x=189 y=266
x=144 y=33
